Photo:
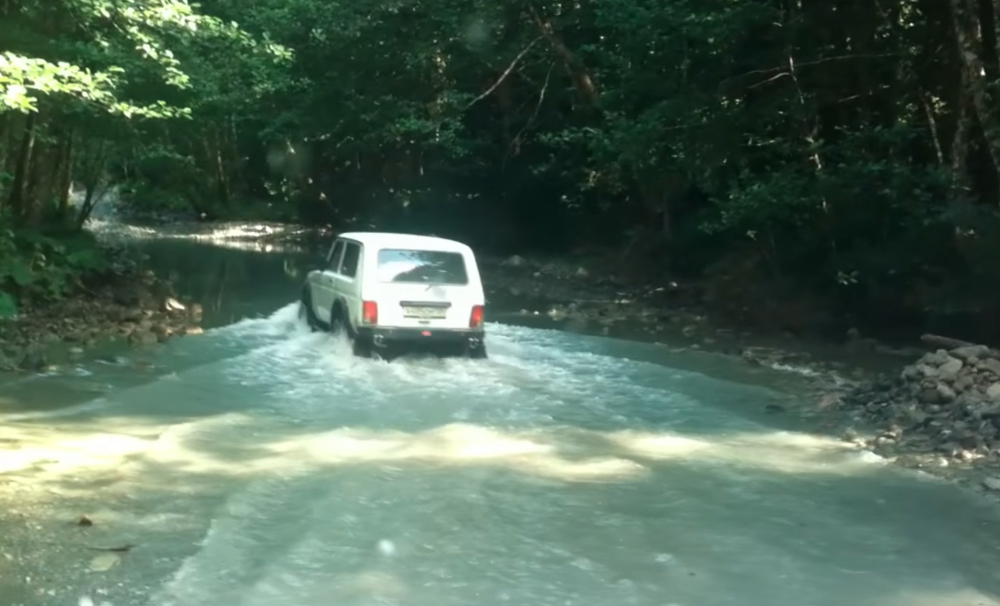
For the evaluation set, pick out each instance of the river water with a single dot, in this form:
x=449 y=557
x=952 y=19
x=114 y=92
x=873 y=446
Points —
x=260 y=464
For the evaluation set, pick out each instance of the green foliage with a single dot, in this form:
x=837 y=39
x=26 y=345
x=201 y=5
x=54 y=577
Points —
x=42 y=266
x=824 y=136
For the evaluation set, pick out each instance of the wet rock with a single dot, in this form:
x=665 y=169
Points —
x=992 y=483
x=172 y=305
x=192 y=330
x=33 y=359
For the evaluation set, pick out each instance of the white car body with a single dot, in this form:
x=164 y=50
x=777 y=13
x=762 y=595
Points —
x=389 y=289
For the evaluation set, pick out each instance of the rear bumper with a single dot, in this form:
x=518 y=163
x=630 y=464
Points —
x=420 y=337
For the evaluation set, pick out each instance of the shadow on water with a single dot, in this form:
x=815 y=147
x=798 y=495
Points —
x=850 y=526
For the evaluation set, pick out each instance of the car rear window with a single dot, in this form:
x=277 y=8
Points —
x=421 y=267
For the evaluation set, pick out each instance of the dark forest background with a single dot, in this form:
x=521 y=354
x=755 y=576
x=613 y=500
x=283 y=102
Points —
x=835 y=155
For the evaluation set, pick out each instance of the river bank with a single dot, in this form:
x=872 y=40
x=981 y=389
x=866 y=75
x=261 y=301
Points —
x=123 y=304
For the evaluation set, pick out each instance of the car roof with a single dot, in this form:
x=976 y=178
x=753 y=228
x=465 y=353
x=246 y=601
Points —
x=392 y=240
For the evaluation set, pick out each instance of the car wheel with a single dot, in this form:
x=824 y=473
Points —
x=306 y=311
x=476 y=353
x=337 y=320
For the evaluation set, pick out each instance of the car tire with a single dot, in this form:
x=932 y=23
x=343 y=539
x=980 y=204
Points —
x=306 y=311
x=337 y=323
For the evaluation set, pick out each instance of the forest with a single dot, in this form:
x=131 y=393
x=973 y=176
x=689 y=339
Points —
x=841 y=152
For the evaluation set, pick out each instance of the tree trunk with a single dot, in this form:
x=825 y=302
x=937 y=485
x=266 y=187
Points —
x=968 y=34
x=961 y=183
x=19 y=187
x=577 y=72
x=66 y=174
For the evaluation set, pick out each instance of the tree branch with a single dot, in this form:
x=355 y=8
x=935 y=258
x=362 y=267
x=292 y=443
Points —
x=534 y=115
x=504 y=75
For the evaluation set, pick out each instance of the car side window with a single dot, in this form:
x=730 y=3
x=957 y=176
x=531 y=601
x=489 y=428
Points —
x=335 y=253
x=349 y=266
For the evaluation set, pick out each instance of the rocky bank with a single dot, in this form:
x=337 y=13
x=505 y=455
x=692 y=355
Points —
x=124 y=303
x=941 y=412
x=594 y=297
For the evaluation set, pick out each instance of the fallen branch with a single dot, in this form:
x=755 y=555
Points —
x=945 y=342
x=504 y=75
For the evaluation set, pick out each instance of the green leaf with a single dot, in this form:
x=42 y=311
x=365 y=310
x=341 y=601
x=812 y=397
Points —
x=8 y=305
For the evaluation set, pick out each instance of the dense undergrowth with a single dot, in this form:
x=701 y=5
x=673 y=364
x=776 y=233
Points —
x=38 y=266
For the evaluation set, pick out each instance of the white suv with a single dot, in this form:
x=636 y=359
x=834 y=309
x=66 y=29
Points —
x=395 y=291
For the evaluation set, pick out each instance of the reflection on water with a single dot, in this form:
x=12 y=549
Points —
x=230 y=283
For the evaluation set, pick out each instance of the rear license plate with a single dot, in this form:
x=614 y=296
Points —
x=425 y=313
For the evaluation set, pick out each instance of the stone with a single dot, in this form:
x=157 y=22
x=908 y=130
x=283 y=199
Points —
x=171 y=304
x=992 y=483
x=993 y=391
x=947 y=393
x=936 y=358
x=927 y=370
x=950 y=369
x=192 y=330
x=929 y=395
x=970 y=441
x=971 y=353
x=991 y=365
x=33 y=359
x=964 y=383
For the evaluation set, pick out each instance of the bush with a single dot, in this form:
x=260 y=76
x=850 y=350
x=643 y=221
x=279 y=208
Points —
x=40 y=265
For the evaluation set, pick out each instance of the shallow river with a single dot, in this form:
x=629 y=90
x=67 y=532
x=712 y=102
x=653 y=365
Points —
x=261 y=465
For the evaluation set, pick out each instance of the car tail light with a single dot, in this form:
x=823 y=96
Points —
x=476 y=318
x=369 y=312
